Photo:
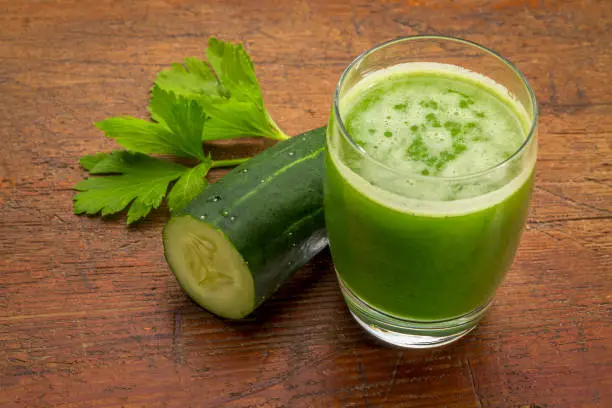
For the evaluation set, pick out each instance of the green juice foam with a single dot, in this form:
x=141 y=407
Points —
x=431 y=121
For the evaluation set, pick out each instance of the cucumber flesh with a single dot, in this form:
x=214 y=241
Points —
x=209 y=268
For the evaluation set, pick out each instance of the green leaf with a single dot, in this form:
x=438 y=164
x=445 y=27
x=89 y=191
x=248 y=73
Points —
x=179 y=131
x=190 y=81
x=191 y=183
x=138 y=210
x=243 y=113
x=142 y=181
x=230 y=95
x=233 y=119
x=138 y=135
x=89 y=162
x=200 y=69
x=183 y=117
x=235 y=70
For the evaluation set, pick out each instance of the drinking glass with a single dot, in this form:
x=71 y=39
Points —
x=419 y=269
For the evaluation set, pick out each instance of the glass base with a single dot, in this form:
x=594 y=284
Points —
x=407 y=333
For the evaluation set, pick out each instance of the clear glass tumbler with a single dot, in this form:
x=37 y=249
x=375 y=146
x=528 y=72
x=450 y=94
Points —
x=420 y=255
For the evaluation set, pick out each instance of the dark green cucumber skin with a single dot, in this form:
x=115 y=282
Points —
x=277 y=225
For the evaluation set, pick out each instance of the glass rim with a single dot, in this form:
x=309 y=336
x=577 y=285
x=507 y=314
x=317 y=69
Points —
x=513 y=68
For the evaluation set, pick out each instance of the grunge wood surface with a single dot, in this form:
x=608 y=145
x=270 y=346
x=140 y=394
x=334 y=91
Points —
x=90 y=315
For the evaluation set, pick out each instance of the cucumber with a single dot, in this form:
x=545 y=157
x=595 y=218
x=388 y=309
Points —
x=237 y=242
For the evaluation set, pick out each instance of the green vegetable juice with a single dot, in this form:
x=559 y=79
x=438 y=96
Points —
x=422 y=216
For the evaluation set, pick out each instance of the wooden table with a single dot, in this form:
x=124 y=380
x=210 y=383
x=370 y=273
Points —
x=90 y=315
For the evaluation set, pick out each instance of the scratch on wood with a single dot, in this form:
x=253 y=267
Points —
x=548 y=234
x=356 y=26
x=355 y=22
x=87 y=254
x=265 y=34
x=594 y=180
x=67 y=315
x=182 y=7
x=81 y=331
x=6 y=181
x=408 y=24
x=362 y=377
x=176 y=334
x=553 y=90
x=560 y=220
x=398 y=360
x=473 y=382
x=60 y=219
x=86 y=282
x=278 y=379
x=572 y=201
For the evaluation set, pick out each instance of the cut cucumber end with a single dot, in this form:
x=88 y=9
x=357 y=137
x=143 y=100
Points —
x=208 y=267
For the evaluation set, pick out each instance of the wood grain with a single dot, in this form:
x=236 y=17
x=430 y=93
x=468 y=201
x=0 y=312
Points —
x=90 y=316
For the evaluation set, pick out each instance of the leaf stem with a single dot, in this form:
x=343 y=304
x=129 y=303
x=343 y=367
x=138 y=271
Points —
x=229 y=162
x=280 y=135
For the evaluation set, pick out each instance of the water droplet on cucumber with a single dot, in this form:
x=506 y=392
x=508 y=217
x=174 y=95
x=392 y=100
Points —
x=232 y=218
x=224 y=213
x=245 y=170
x=216 y=198
x=291 y=153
